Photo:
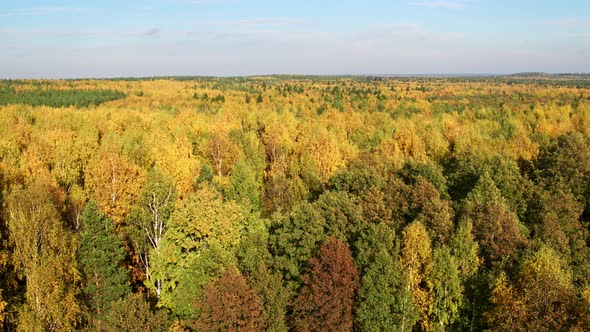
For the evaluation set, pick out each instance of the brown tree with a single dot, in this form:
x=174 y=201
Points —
x=230 y=305
x=326 y=300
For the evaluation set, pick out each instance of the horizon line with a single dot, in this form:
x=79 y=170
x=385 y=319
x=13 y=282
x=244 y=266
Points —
x=341 y=75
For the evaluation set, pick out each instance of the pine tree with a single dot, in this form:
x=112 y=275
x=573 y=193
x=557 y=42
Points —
x=100 y=257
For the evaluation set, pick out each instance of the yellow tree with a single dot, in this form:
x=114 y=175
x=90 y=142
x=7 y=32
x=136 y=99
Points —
x=43 y=254
x=113 y=183
x=416 y=259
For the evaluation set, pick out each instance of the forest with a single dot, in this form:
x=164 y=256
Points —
x=295 y=203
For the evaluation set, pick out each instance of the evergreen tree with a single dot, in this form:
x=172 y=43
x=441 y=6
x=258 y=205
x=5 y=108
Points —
x=100 y=257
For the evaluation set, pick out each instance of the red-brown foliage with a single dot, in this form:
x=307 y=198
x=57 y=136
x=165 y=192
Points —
x=230 y=305
x=326 y=300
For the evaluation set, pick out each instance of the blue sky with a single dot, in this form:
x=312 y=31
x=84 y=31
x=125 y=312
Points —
x=63 y=39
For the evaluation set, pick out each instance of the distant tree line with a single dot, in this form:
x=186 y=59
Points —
x=58 y=98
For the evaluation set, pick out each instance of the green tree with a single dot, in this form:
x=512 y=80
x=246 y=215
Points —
x=244 y=187
x=447 y=293
x=465 y=249
x=556 y=218
x=466 y=169
x=206 y=174
x=254 y=261
x=342 y=218
x=384 y=302
x=201 y=242
x=498 y=231
x=566 y=161
x=435 y=213
x=100 y=255
x=149 y=219
x=294 y=239
x=133 y=314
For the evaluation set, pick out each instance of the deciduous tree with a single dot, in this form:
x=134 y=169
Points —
x=228 y=304
x=43 y=254
x=326 y=300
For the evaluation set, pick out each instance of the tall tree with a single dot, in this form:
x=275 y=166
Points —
x=465 y=252
x=435 y=213
x=244 y=188
x=447 y=292
x=556 y=219
x=113 y=182
x=149 y=219
x=326 y=300
x=100 y=257
x=201 y=242
x=416 y=259
x=254 y=261
x=384 y=302
x=43 y=254
x=342 y=217
x=566 y=161
x=498 y=231
x=228 y=304
x=294 y=239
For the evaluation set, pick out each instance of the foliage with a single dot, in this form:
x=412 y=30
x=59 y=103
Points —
x=201 y=240
x=464 y=202
x=58 y=98
x=326 y=300
x=133 y=313
x=384 y=302
x=230 y=305
x=43 y=255
x=100 y=257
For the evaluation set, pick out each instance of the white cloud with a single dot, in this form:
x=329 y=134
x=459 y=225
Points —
x=394 y=48
x=576 y=23
x=152 y=32
x=42 y=11
x=440 y=4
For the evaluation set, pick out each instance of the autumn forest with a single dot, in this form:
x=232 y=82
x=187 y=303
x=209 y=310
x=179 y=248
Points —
x=295 y=203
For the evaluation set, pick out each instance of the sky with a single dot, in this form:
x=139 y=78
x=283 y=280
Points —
x=115 y=38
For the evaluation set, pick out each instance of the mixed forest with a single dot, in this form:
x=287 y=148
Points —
x=284 y=203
